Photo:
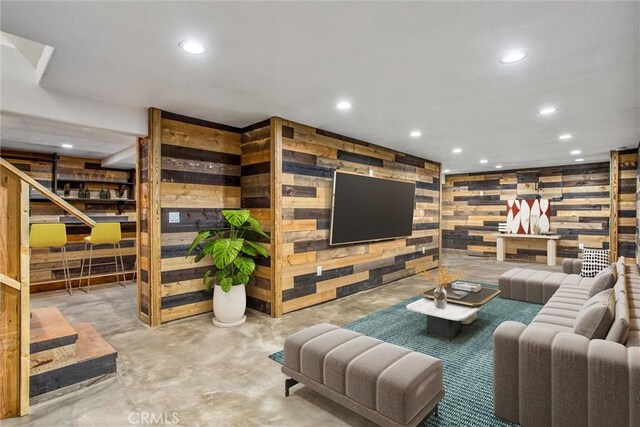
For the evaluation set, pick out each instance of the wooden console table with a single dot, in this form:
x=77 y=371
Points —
x=550 y=238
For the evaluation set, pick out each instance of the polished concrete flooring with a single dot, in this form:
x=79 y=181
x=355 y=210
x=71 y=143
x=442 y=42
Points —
x=198 y=375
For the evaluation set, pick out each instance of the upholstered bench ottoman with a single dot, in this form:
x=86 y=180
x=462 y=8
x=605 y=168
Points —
x=387 y=384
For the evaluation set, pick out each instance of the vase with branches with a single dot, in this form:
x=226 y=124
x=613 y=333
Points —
x=443 y=278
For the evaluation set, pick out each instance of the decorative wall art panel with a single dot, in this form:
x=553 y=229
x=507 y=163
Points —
x=524 y=216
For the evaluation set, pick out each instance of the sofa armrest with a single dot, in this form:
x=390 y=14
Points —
x=506 y=339
x=571 y=266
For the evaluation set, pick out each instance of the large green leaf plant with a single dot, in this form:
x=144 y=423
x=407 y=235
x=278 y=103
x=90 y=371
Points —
x=232 y=249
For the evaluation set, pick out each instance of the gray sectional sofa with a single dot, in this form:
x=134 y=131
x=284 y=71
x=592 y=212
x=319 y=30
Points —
x=548 y=373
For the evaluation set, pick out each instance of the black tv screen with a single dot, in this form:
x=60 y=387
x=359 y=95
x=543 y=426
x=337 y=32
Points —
x=367 y=208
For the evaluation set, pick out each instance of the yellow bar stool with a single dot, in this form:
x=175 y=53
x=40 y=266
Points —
x=104 y=233
x=53 y=236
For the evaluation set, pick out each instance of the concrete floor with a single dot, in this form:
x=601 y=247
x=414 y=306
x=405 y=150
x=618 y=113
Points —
x=209 y=376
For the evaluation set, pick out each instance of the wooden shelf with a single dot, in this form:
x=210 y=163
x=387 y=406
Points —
x=93 y=181
x=92 y=200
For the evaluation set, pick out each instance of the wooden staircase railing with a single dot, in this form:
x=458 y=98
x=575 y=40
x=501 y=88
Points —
x=59 y=201
x=14 y=284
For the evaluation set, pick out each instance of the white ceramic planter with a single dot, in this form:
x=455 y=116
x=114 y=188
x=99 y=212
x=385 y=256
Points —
x=229 y=307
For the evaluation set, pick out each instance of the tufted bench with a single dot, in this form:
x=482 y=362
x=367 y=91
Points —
x=387 y=384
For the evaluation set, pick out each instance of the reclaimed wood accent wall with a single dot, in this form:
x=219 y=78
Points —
x=627 y=190
x=143 y=236
x=638 y=208
x=474 y=204
x=200 y=176
x=282 y=172
x=46 y=264
x=255 y=160
x=309 y=158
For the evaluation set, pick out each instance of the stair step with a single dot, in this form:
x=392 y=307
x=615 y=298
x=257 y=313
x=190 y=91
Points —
x=95 y=359
x=49 y=330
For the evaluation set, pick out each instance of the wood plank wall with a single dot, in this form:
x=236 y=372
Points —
x=200 y=176
x=256 y=196
x=638 y=208
x=46 y=264
x=207 y=167
x=627 y=188
x=144 y=207
x=474 y=204
x=309 y=158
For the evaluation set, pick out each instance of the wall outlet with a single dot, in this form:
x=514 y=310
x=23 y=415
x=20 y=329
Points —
x=581 y=246
x=482 y=192
x=319 y=270
x=174 y=217
x=370 y=172
x=424 y=250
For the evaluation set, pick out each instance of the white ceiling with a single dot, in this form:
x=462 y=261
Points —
x=47 y=136
x=431 y=66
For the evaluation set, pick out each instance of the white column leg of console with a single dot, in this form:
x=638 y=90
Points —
x=500 y=248
x=551 y=252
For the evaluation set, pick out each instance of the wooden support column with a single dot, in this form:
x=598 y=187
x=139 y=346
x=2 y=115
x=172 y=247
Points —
x=614 y=186
x=154 y=215
x=14 y=315
x=276 y=216
x=442 y=177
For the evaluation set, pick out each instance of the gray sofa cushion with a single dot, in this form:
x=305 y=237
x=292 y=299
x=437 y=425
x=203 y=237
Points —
x=595 y=317
x=603 y=280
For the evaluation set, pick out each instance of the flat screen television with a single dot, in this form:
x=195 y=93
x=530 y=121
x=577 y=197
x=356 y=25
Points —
x=367 y=208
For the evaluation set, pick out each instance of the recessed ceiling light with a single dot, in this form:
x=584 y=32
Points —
x=545 y=111
x=565 y=137
x=343 y=105
x=484 y=161
x=457 y=150
x=193 y=47
x=67 y=146
x=579 y=160
x=576 y=152
x=415 y=134
x=446 y=171
x=498 y=166
x=512 y=56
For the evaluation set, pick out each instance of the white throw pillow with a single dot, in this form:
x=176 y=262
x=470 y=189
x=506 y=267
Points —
x=594 y=261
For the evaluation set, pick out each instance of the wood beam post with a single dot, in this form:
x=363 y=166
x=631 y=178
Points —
x=14 y=316
x=154 y=215
x=614 y=186
x=276 y=216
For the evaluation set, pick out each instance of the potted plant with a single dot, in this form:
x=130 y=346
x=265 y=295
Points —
x=233 y=250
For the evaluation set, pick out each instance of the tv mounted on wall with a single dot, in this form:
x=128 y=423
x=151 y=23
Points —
x=367 y=208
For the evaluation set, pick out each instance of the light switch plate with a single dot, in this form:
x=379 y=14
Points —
x=319 y=270
x=581 y=246
x=174 y=217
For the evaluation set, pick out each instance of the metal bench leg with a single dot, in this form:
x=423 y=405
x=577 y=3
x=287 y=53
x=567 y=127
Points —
x=288 y=383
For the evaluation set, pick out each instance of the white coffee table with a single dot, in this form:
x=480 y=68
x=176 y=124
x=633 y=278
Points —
x=445 y=322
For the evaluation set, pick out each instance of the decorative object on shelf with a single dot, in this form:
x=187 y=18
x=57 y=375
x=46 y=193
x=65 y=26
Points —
x=84 y=193
x=521 y=214
x=441 y=280
x=105 y=194
x=67 y=190
x=232 y=250
x=121 y=190
x=535 y=224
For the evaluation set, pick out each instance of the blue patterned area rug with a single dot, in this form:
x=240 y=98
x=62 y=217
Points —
x=468 y=364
